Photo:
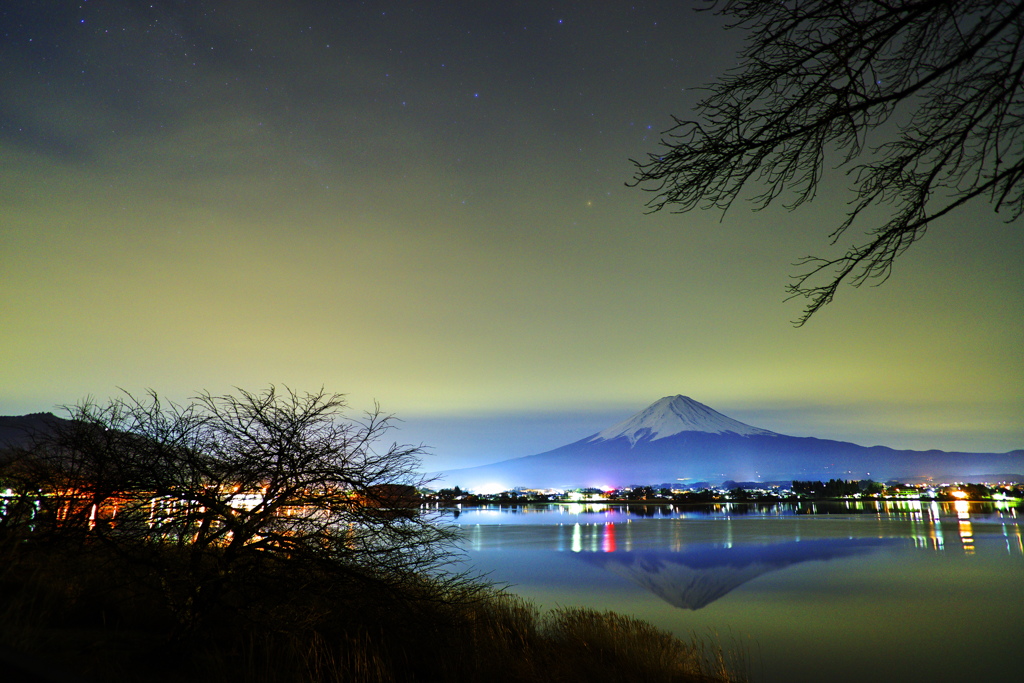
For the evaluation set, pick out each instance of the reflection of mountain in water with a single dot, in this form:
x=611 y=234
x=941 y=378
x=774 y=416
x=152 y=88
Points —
x=698 y=576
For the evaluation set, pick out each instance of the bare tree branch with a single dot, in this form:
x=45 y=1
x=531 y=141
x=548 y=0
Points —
x=940 y=81
x=208 y=492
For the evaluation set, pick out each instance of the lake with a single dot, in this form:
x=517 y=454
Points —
x=807 y=592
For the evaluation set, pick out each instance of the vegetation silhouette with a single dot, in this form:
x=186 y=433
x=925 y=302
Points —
x=267 y=537
x=920 y=102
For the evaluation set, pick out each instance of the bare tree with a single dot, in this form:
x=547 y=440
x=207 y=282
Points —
x=223 y=492
x=938 y=82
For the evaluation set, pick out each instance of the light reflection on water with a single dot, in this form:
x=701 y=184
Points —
x=609 y=528
x=915 y=589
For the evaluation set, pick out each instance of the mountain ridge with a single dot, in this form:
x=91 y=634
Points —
x=677 y=439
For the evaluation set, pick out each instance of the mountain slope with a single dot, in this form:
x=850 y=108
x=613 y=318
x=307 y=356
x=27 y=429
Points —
x=18 y=431
x=673 y=415
x=678 y=440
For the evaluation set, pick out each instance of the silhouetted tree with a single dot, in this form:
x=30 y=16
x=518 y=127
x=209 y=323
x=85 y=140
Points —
x=739 y=494
x=920 y=101
x=223 y=492
x=870 y=487
x=976 y=491
x=640 y=493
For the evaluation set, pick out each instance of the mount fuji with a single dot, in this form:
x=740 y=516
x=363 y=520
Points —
x=679 y=440
x=674 y=415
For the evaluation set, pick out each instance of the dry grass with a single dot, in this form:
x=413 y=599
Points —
x=83 y=613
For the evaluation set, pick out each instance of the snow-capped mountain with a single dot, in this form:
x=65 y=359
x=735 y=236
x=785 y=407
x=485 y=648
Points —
x=677 y=440
x=672 y=415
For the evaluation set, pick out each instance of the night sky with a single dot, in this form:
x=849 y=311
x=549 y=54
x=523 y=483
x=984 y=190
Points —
x=424 y=204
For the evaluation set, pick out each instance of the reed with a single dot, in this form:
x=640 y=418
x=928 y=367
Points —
x=98 y=621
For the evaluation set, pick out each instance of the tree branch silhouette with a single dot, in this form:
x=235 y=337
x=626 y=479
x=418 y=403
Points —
x=938 y=82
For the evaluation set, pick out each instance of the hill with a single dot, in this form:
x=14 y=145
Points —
x=677 y=439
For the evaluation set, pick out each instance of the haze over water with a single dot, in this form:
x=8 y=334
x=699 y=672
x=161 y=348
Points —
x=904 y=591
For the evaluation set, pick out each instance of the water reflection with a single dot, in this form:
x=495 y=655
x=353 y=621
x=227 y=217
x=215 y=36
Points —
x=612 y=529
x=782 y=577
x=700 y=575
x=690 y=559
x=911 y=510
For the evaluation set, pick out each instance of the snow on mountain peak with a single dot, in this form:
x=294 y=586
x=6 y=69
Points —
x=672 y=415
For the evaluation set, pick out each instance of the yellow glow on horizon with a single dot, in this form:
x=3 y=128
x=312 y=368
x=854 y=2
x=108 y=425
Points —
x=313 y=231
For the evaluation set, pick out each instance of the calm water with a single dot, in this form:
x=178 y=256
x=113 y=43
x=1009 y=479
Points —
x=837 y=592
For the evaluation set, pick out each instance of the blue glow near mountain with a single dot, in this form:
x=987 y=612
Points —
x=680 y=441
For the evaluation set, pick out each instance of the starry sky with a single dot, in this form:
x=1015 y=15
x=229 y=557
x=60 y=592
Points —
x=425 y=204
